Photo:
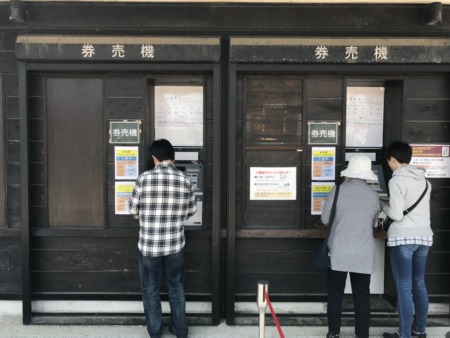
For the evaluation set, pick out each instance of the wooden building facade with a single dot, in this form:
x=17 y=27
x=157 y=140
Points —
x=266 y=72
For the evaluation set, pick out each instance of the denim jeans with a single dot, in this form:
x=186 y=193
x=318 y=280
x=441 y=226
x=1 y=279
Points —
x=408 y=267
x=361 y=299
x=151 y=269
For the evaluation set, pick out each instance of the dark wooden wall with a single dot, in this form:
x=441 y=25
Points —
x=89 y=259
x=281 y=258
x=427 y=120
x=10 y=248
x=96 y=253
x=284 y=257
x=2 y=152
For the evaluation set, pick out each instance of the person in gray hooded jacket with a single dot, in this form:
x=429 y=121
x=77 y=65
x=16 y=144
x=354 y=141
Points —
x=409 y=239
x=351 y=244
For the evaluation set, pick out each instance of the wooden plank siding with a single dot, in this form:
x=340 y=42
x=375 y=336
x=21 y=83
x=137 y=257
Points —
x=10 y=267
x=95 y=257
x=106 y=265
x=427 y=120
x=10 y=218
x=285 y=262
x=82 y=263
x=2 y=153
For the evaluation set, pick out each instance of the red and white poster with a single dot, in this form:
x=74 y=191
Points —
x=433 y=158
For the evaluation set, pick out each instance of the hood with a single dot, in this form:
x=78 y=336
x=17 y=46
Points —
x=410 y=171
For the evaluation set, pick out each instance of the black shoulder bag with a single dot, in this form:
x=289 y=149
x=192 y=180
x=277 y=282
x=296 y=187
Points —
x=388 y=221
x=321 y=256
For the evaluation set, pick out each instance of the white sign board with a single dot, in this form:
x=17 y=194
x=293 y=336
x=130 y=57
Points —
x=435 y=159
x=179 y=115
x=365 y=110
x=273 y=183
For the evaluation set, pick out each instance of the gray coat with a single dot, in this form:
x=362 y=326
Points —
x=351 y=241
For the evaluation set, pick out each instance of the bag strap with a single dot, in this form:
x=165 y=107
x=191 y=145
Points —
x=407 y=211
x=333 y=212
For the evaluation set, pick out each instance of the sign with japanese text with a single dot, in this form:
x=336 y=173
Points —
x=179 y=115
x=319 y=195
x=364 y=115
x=126 y=163
x=123 y=191
x=117 y=48
x=124 y=131
x=338 y=50
x=435 y=159
x=323 y=163
x=273 y=183
x=322 y=132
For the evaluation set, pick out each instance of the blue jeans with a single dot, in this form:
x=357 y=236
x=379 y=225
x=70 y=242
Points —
x=151 y=270
x=408 y=267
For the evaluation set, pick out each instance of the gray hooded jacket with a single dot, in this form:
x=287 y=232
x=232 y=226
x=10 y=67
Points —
x=405 y=187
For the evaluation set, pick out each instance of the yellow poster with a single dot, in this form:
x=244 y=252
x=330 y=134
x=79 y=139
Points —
x=126 y=163
x=319 y=195
x=123 y=191
x=323 y=163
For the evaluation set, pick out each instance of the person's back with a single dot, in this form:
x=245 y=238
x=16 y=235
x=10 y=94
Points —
x=163 y=198
x=351 y=240
x=164 y=206
x=351 y=244
x=405 y=187
x=409 y=239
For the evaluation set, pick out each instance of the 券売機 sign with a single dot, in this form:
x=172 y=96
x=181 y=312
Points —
x=124 y=132
x=323 y=132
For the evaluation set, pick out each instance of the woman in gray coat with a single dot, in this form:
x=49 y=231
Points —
x=351 y=244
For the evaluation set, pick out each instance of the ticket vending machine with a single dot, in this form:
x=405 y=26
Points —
x=189 y=161
x=364 y=136
x=178 y=117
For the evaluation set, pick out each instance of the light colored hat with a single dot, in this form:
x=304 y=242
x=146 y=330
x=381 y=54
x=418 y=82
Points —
x=360 y=166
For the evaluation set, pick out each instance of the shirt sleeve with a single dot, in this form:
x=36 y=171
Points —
x=192 y=201
x=326 y=212
x=396 y=202
x=135 y=200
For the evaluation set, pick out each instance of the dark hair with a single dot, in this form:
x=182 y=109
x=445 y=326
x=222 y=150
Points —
x=162 y=150
x=401 y=151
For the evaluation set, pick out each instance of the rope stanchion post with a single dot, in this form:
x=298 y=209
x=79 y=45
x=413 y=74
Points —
x=263 y=288
x=274 y=315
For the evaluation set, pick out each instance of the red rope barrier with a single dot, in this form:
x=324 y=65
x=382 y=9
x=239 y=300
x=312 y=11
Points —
x=275 y=319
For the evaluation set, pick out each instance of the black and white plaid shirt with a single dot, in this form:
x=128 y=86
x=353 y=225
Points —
x=163 y=198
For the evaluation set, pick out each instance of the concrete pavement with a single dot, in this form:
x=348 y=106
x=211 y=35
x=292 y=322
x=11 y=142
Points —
x=11 y=327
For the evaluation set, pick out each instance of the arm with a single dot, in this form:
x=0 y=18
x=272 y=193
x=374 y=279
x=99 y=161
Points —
x=135 y=200
x=192 y=207
x=326 y=212
x=394 y=209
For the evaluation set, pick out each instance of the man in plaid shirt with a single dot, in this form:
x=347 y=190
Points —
x=162 y=199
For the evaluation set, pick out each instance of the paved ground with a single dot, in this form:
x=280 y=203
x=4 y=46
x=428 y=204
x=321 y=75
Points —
x=11 y=327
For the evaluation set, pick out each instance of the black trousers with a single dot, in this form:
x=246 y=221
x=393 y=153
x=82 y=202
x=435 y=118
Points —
x=361 y=299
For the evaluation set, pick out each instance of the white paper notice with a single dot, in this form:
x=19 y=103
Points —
x=273 y=183
x=365 y=110
x=179 y=115
x=434 y=158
